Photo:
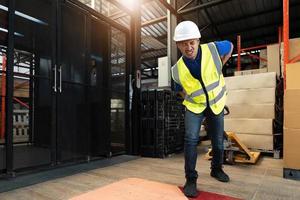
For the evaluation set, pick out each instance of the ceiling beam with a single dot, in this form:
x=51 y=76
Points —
x=121 y=7
x=278 y=8
x=100 y=16
x=118 y=15
x=146 y=1
x=154 y=21
x=121 y=13
x=214 y=27
x=153 y=58
x=147 y=66
x=153 y=50
x=162 y=37
x=261 y=37
x=205 y=5
x=185 y=5
x=146 y=75
x=252 y=28
x=204 y=27
x=169 y=7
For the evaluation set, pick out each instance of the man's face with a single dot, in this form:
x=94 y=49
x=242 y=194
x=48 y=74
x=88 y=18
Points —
x=189 y=48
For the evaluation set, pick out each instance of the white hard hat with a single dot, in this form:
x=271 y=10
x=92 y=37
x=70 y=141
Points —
x=186 y=30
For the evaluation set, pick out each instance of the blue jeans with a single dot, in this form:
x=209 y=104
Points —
x=215 y=131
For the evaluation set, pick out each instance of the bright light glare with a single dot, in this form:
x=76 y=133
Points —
x=131 y=4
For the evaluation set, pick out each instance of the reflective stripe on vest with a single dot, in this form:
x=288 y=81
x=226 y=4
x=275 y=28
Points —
x=175 y=75
x=218 y=97
x=208 y=88
x=189 y=99
x=215 y=56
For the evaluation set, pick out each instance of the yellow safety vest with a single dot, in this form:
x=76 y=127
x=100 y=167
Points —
x=211 y=73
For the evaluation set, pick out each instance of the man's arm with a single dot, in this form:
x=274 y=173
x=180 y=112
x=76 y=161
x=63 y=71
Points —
x=226 y=57
x=179 y=90
x=225 y=48
x=181 y=94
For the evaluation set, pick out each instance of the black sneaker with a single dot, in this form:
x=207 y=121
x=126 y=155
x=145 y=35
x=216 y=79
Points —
x=190 y=188
x=219 y=174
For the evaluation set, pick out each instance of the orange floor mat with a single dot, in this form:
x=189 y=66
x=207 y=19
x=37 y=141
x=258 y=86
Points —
x=141 y=189
x=134 y=189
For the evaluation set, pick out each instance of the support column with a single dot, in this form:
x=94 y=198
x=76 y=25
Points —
x=9 y=90
x=3 y=93
x=135 y=43
x=172 y=48
x=285 y=37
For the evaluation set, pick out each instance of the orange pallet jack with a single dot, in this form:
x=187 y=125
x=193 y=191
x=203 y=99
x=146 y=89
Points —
x=235 y=151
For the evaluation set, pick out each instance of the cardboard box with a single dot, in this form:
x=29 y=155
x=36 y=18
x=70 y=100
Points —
x=263 y=54
x=273 y=58
x=21 y=88
x=258 y=111
x=251 y=71
x=251 y=96
x=292 y=109
x=292 y=76
x=256 y=126
x=291 y=100
x=263 y=80
x=263 y=142
x=292 y=120
x=291 y=148
x=273 y=53
x=294 y=48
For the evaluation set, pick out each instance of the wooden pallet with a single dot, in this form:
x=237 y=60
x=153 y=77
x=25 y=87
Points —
x=239 y=152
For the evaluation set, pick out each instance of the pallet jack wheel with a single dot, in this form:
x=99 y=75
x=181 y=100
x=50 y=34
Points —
x=229 y=157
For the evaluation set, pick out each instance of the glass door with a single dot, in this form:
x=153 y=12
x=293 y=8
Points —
x=118 y=95
x=99 y=87
x=83 y=86
x=72 y=129
x=33 y=95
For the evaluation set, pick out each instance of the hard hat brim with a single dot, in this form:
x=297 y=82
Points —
x=185 y=38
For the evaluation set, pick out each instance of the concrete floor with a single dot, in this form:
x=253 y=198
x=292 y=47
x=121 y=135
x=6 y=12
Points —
x=261 y=181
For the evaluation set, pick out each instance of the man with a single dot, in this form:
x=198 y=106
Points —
x=198 y=76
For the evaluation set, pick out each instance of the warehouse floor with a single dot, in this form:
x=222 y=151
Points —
x=261 y=181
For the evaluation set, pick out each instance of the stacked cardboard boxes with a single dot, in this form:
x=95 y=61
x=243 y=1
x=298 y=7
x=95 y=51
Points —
x=291 y=146
x=262 y=63
x=251 y=100
x=251 y=71
x=21 y=87
x=275 y=56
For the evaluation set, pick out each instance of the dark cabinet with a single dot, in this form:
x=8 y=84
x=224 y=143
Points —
x=62 y=63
